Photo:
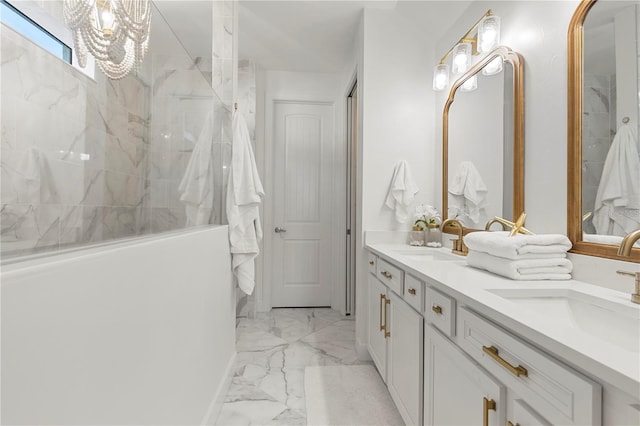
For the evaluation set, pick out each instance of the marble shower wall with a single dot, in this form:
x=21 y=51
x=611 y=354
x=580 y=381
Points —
x=85 y=160
x=597 y=134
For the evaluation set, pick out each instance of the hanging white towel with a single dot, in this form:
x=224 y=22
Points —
x=529 y=269
x=500 y=244
x=244 y=195
x=196 y=186
x=468 y=191
x=617 y=206
x=401 y=192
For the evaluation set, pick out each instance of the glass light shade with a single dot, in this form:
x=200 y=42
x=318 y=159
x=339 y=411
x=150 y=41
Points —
x=461 y=58
x=440 y=77
x=489 y=33
x=470 y=85
x=493 y=67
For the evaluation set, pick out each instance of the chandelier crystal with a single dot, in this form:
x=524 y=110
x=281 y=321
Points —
x=114 y=32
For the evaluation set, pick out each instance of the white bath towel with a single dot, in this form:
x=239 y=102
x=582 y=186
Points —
x=401 y=192
x=468 y=191
x=196 y=186
x=617 y=206
x=502 y=245
x=244 y=195
x=529 y=269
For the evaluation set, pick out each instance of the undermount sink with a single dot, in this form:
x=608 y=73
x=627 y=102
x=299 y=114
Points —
x=426 y=254
x=613 y=322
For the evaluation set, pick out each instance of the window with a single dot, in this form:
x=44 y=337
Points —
x=15 y=19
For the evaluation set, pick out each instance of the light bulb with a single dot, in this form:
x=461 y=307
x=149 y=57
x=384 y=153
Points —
x=493 y=67
x=461 y=58
x=470 y=85
x=440 y=77
x=488 y=33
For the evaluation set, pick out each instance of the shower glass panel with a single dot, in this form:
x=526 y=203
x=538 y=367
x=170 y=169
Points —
x=85 y=161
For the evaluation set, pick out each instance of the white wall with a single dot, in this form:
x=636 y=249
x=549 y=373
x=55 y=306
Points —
x=298 y=86
x=139 y=332
x=396 y=119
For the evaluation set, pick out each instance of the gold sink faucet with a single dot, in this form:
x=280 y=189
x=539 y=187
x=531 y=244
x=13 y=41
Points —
x=458 y=244
x=625 y=250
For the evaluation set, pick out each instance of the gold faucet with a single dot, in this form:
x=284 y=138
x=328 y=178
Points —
x=458 y=244
x=625 y=250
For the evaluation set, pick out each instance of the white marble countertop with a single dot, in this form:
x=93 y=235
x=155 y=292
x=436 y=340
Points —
x=592 y=356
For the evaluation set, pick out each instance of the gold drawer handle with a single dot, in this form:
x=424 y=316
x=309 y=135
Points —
x=387 y=333
x=487 y=404
x=382 y=299
x=386 y=275
x=509 y=423
x=437 y=309
x=518 y=371
x=412 y=291
x=371 y=262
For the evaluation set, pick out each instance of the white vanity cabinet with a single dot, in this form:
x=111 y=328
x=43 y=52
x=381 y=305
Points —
x=395 y=338
x=457 y=390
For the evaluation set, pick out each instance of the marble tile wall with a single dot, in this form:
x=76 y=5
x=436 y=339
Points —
x=597 y=134
x=84 y=161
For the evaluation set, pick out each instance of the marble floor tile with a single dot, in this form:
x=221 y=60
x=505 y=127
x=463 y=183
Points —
x=273 y=351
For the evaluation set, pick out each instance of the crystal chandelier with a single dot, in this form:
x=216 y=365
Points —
x=115 y=32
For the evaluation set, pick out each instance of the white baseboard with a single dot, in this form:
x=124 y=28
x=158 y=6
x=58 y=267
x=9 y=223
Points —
x=362 y=351
x=210 y=417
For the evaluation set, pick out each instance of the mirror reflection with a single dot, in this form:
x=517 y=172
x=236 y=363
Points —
x=610 y=160
x=480 y=175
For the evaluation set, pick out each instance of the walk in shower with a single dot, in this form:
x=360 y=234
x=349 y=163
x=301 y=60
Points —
x=91 y=160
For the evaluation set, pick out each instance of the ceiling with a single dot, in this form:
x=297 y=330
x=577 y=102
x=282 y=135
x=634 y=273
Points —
x=317 y=35
x=300 y=35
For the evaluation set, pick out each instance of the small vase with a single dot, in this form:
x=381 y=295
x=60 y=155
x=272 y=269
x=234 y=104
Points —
x=416 y=238
x=432 y=235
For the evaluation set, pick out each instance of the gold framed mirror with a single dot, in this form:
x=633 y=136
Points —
x=496 y=137
x=602 y=100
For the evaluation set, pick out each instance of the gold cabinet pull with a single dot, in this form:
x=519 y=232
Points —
x=386 y=275
x=412 y=291
x=518 y=371
x=387 y=333
x=487 y=404
x=437 y=309
x=382 y=298
x=371 y=262
x=511 y=424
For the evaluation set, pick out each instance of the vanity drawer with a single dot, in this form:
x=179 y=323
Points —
x=440 y=310
x=391 y=276
x=557 y=392
x=413 y=292
x=371 y=263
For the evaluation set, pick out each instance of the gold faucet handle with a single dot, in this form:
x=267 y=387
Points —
x=635 y=296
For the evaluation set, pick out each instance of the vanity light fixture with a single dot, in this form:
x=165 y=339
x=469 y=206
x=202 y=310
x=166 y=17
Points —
x=493 y=67
x=470 y=85
x=488 y=33
x=440 y=77
x=467 y=46
x=115 y=32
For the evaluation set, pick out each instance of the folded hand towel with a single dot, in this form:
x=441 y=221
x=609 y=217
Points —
x=401 y=192
x=528 y=269
x=502 y=245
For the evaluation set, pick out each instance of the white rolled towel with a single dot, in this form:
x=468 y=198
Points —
x=525 y=269
x=501 y=244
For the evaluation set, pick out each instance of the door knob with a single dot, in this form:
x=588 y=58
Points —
x=279 y=230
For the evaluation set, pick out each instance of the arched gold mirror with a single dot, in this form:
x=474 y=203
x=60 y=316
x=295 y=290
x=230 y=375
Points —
x=603 y=117
x=483 y=142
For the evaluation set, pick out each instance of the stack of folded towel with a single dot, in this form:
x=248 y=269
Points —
x=521 y=257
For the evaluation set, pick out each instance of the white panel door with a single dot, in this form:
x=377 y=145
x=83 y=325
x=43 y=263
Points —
x=303 y=144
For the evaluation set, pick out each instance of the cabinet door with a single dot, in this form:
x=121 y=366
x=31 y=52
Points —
x=404 y=366
x=377 y=325
x=457 y=390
